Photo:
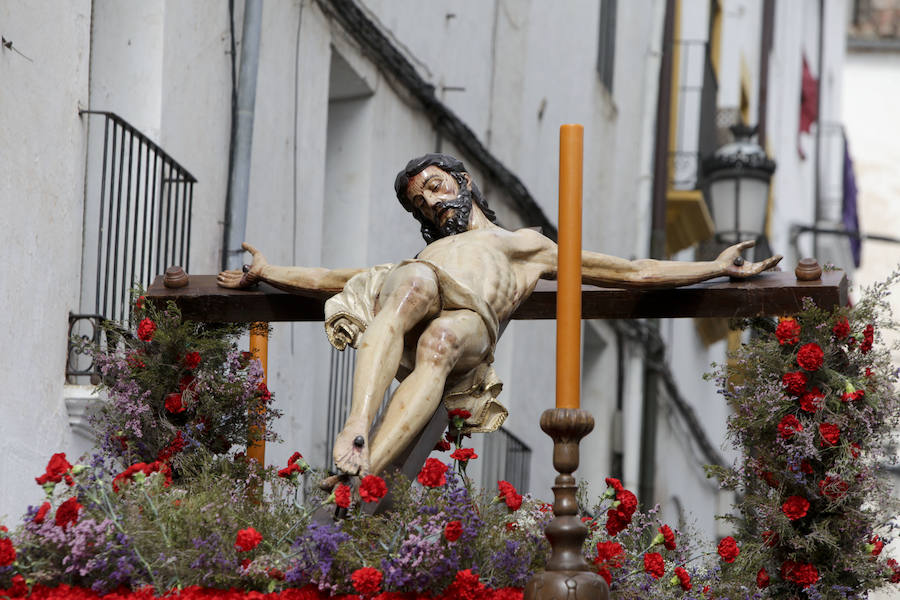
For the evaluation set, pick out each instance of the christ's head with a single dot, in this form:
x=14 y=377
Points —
x=439 y=192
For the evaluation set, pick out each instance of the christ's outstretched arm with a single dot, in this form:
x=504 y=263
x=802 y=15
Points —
x=309 y=281
x=611 y=271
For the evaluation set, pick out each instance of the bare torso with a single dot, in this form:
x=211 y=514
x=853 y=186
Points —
x=492 y=263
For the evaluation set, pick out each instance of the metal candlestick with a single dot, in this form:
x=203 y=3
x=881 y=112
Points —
x=568 y=575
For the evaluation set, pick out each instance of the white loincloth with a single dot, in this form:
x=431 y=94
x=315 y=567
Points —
x=348 y=313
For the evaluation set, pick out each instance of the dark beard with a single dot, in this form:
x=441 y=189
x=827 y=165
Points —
x=458 y=222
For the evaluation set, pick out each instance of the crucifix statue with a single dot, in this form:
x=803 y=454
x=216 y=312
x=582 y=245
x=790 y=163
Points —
x=433 y=321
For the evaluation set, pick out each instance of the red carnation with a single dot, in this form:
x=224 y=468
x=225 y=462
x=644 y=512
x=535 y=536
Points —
x=811 y=401
x=803 y=574
x=794 y=383
x=830 y=434
x=833 y=488
x=366 y=581
x=453 y=530
x=770 y=538
x=855 y=449
x=18 y=589
x=509 y=495
x=191 y=360
x=177 y=444
x=295 y=464
x=146 y=329
x=174 y=404
x=895 y=568
x=877 y=545
x=264 y=394
x=605 y=574
x=464 y=454
x=145 y=469
x=841 y=329
x=728 y=549
x=684 y=578
x=616 y=521
x=627 y=502
x=465 y=586
x=805 y=467
x=762 y=578
x=868 y=338
x=788 y=331
x=342 y=496
x=668 y=537
x=853 y=396
x=442 y=446
x=247 y=539
x=789 y=425
x=7 y=552
x=654 y=564
x=810 y=357
x=67 y=513
x=795 y=507
x=57 y=469
x=609 y=553
x=42 y=513
x=615 y=484
x=139 y=303
x=459 y=412
x=433 y=474
x=372 y=488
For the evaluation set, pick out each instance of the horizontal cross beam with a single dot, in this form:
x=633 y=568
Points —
x=767 y=294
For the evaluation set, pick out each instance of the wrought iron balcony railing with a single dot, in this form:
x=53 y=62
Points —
x=138 y=202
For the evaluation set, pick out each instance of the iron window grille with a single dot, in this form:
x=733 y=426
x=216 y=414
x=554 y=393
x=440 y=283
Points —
x=508 y=458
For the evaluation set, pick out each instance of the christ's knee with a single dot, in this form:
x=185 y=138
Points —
x=413 y=294
x=439 y=348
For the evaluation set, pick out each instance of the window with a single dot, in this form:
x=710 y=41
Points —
x=606 y=51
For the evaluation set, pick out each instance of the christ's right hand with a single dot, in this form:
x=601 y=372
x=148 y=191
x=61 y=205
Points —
x=244 y=279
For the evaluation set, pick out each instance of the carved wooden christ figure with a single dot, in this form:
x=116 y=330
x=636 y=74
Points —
x=433 y=321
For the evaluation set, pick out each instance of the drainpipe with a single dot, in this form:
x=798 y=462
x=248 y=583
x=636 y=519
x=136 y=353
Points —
x=650 y=410
x=242 y=138
x=817 y=167
x=765 y=52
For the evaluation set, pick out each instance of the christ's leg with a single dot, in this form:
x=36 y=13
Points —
x=408 y=297
x=457 y=340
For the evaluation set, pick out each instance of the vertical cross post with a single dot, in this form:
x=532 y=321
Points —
x=259 y=348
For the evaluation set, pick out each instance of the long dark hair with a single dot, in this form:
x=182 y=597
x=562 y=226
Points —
x=456 y=169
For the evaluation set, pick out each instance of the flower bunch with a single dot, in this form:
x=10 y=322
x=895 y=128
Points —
x=174 y=386
x=814 y=404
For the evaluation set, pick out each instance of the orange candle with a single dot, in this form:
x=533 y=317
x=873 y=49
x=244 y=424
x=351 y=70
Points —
x=568 y=296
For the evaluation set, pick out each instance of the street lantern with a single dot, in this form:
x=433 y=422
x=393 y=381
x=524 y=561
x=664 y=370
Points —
x=737 y=181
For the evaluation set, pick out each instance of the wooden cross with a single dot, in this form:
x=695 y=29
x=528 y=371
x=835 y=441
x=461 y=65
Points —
x=767 y=294
x=770 y=293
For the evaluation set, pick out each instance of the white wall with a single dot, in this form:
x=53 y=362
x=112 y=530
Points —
x=41 y=195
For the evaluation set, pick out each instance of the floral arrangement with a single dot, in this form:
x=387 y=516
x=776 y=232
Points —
x=174 y=386
x=814 y=406
x=168 y=508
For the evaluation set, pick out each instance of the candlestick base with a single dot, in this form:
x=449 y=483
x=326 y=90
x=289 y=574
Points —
x=568 y=575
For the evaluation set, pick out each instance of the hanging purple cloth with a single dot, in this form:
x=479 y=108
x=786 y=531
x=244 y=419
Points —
x=850 y=215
